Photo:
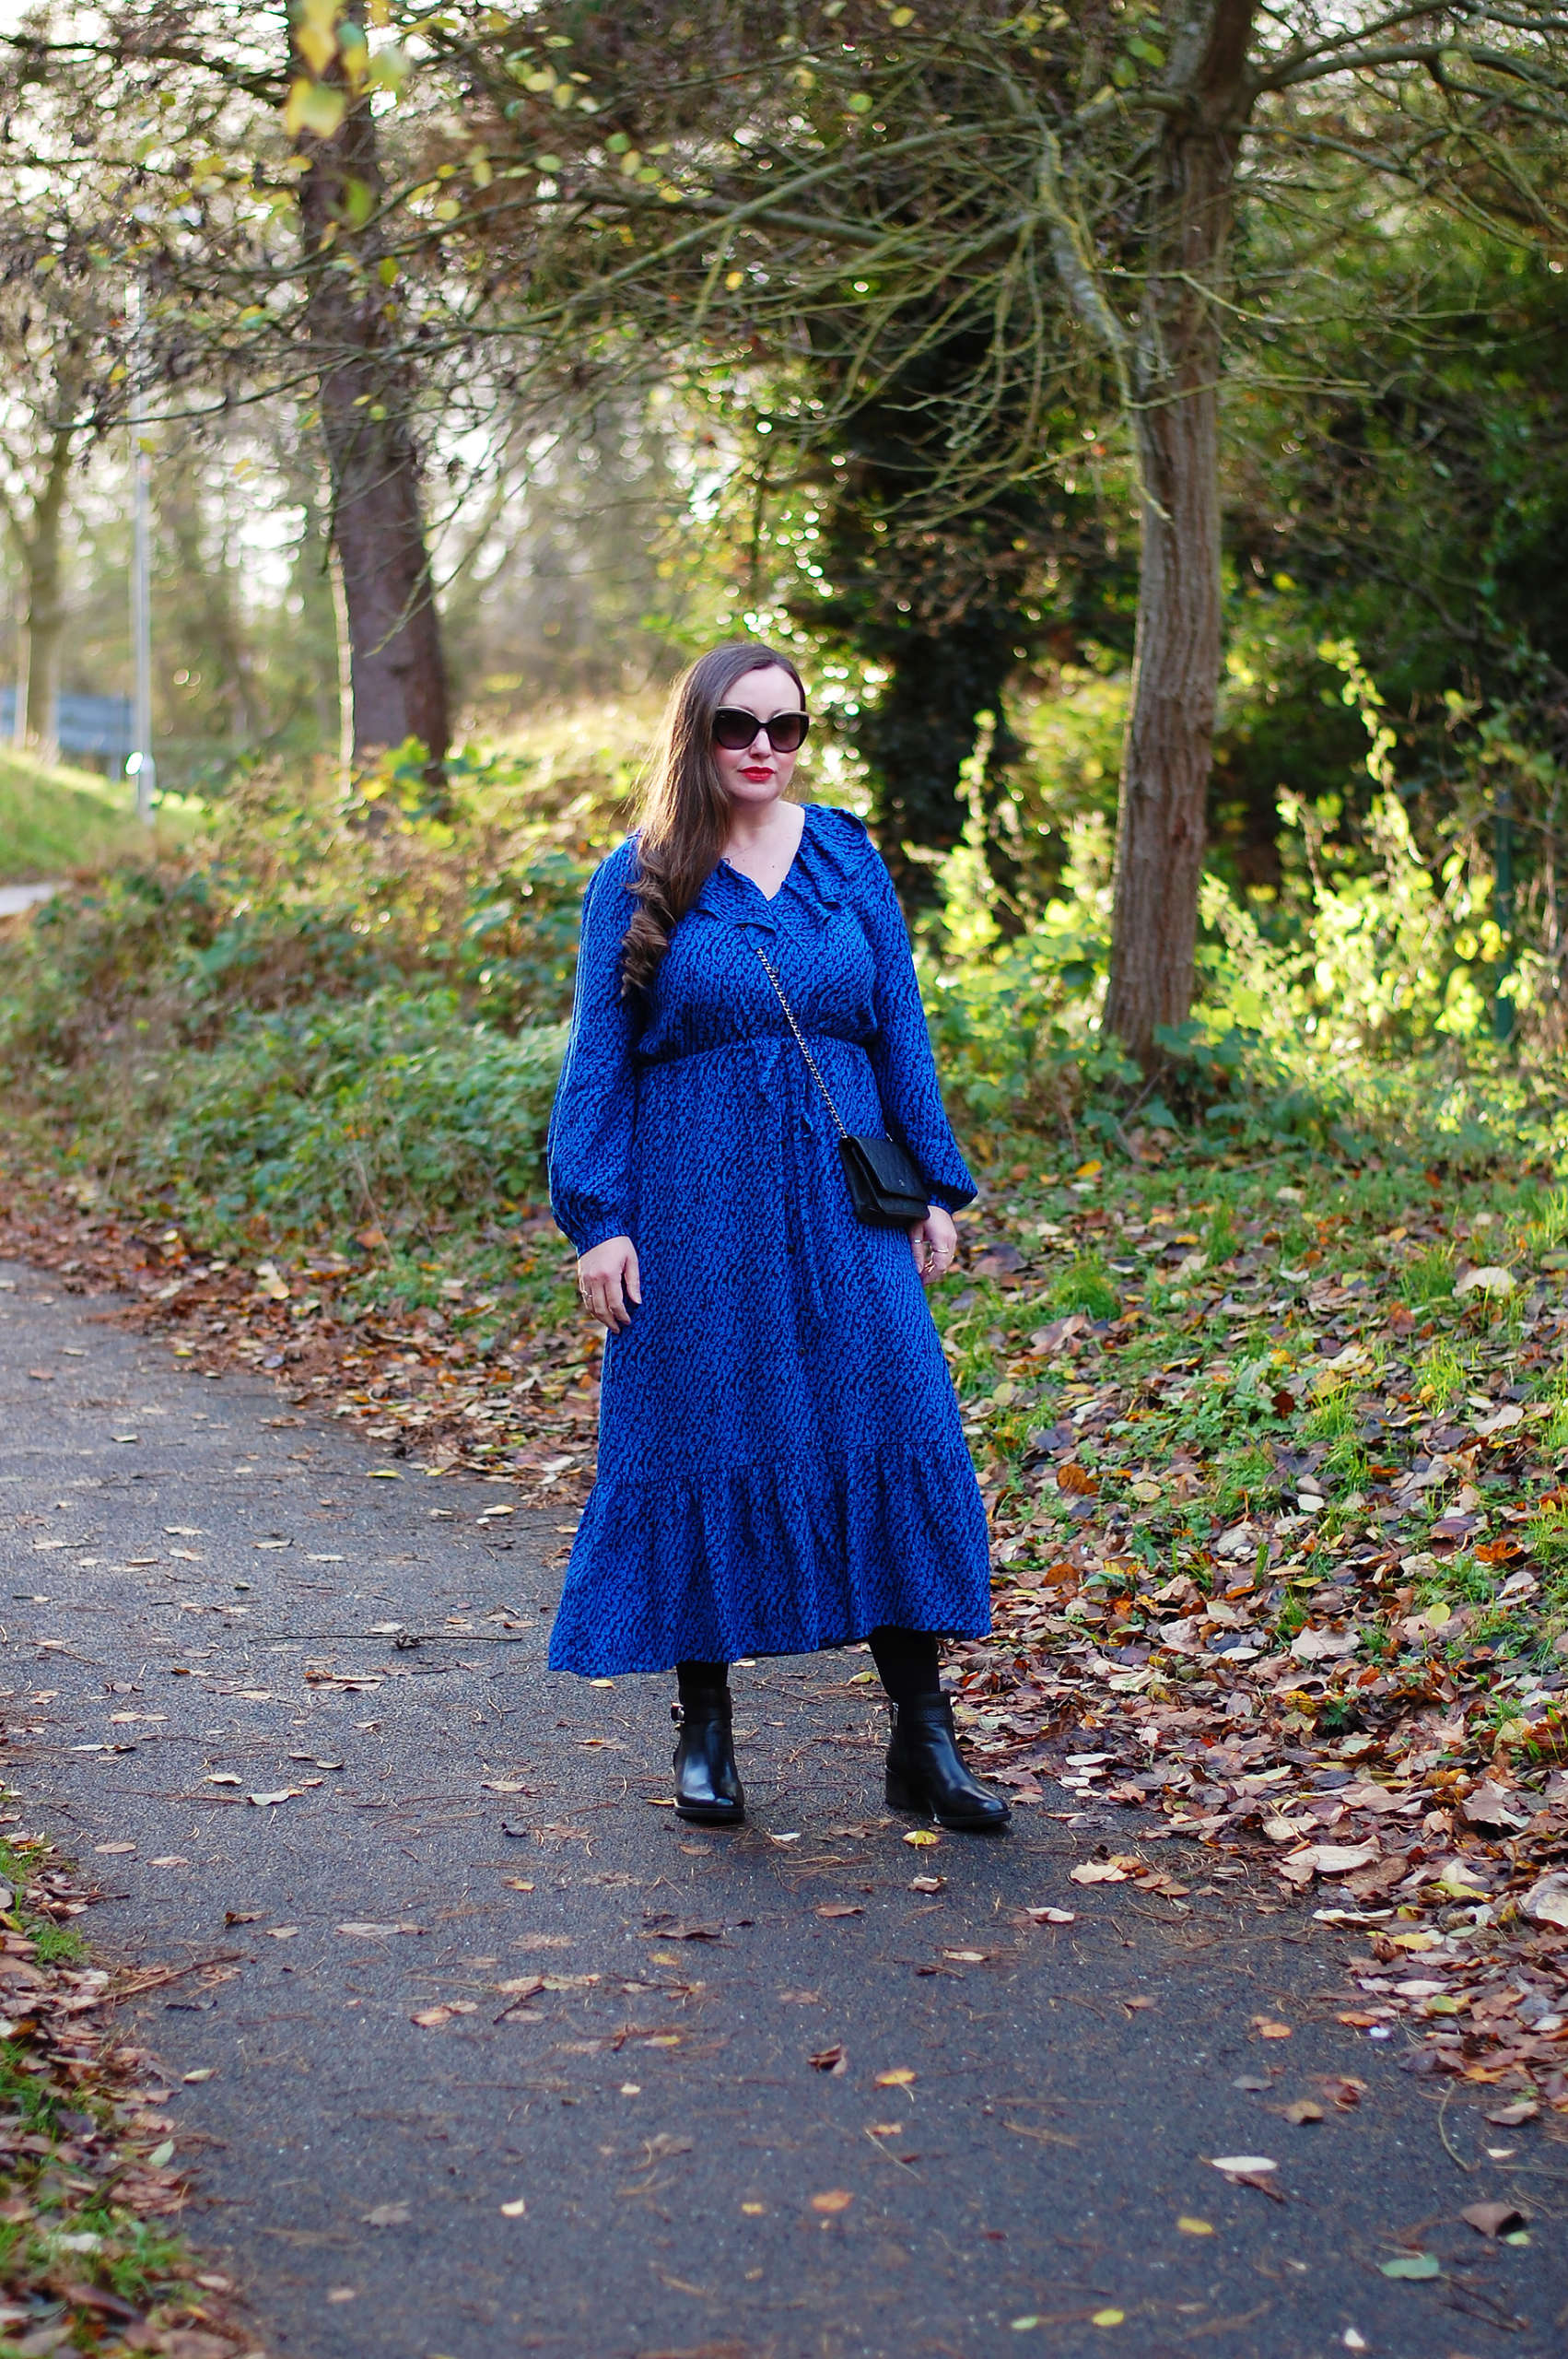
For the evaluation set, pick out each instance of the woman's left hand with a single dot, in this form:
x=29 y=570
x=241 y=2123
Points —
x=935 y=1241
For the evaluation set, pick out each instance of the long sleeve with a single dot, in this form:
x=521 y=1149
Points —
x=901 y=1052
x=593 y=1118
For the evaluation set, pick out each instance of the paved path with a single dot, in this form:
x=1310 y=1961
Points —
x=16 y=900
x=198 y=1608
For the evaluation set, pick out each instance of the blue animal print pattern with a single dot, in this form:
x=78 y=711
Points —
x=781 y=1466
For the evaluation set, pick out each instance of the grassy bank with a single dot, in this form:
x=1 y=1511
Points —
x=55 y=822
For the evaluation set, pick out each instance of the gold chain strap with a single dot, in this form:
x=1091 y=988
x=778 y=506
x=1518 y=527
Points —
x=801 y=1037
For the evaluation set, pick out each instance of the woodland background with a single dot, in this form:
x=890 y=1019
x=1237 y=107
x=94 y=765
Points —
x=1144 y=424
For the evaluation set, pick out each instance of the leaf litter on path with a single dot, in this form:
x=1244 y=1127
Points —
x=1280 y=1525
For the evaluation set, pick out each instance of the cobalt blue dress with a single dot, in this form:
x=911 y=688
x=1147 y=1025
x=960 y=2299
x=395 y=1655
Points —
x=781 y=1466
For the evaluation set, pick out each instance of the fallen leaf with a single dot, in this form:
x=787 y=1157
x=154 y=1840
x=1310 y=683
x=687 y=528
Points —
x=898 y=2077
x=1243 y=2166
x=1494 y=2219
x=830 y=2059
x=1415 y=2266
x=1301 y=2110
x=927 y=1883
x=1327 y=1860
x=922 y=1837
x=836 y=2199
x=1267 y=2028
x=268 y=1801
x=431 y=2018
x=282 y=1932
x=375 y=1932
x=1107 y=2317
x=203 y=2073
x=1052 y=1915
x=1546 y=1903
x=840 y=1908
x=1510 y=2116
x=1191 y=2225
x=388 y=2215
x=1323 y=1645
x=514 y=2210
x=1492 y=1280
x=1489 y=1805
x=1097 y=1872
x=106 y=1850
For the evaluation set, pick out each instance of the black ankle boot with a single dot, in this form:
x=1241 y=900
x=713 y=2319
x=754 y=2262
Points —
x=708 y=1788
x=926 y=1774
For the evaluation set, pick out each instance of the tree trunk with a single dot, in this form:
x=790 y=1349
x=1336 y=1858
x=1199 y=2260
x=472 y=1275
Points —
x=46 y=601
x=366 y=399
x=1176 y=665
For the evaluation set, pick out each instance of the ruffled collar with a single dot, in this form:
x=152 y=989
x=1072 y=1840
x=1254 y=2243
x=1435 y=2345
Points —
x=833 y=845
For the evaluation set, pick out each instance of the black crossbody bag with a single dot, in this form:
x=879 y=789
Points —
x=885 y=1189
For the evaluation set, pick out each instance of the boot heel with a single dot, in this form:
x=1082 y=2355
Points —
x=901 y=1795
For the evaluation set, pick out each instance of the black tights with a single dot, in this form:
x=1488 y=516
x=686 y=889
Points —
x=906 y=1661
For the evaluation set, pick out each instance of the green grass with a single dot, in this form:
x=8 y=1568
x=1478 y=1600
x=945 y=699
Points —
x=1088 y=1287
x=1428 y=1277
x=60 y=822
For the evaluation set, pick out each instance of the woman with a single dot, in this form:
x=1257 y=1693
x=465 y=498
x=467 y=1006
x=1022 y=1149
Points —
x=781 y=1466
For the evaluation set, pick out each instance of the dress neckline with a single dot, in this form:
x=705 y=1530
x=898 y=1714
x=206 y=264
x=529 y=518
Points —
x=770 y=898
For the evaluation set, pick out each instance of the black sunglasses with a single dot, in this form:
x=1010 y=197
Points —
x=735 y=729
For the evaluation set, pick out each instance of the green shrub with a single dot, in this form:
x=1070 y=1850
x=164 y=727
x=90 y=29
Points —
x=395 y=1109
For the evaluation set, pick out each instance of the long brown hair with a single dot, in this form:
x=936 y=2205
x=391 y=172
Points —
x=685 y=815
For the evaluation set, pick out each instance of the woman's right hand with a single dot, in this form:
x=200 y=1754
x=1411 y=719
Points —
x=608 y=1282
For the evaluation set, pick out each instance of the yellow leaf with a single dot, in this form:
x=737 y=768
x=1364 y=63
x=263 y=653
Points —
x=921 y=1836
x=1192 y=2227
x=753 y=2211
x=1088 y=1171
x=898 y=2078
x=448 y=210
x=1109 y=2318
x=514 y=2210
x=734 y=278
x=312 y=107
x=315 y=32
x=836 y=2199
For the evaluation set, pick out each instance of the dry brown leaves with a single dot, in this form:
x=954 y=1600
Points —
x=86 y=2158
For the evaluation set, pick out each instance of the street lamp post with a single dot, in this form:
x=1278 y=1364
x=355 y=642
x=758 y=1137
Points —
x=141 y=765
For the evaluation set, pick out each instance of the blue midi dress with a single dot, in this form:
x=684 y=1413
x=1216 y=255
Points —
x=781 y=1466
